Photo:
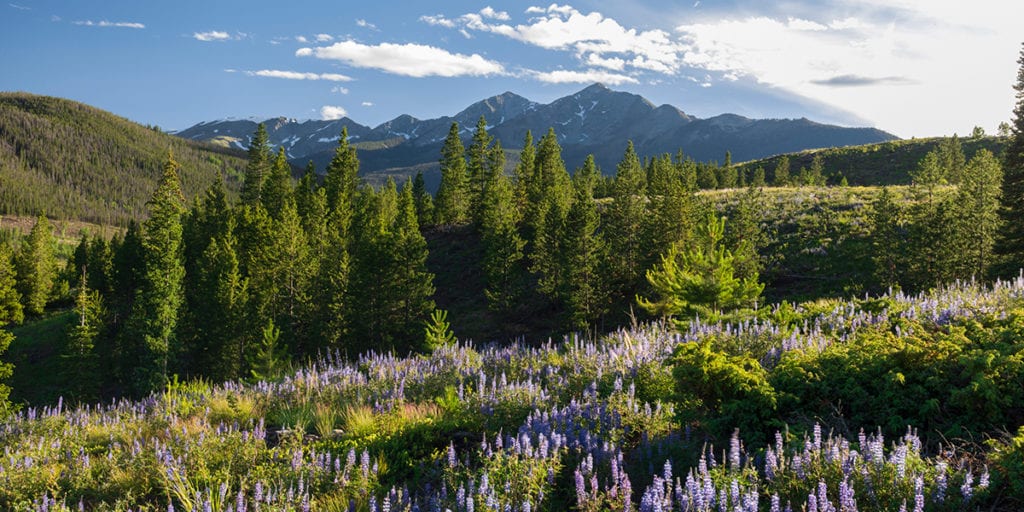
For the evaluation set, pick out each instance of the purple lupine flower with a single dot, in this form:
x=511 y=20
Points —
x=940 y=482
x=451 y=455
x=734 y=451
x=966 y=488
x=919 y=494
x=776 y=506
x=581 y=492
x=983 y=480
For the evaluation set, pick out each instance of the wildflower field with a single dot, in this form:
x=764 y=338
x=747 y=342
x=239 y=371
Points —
x=889 y=403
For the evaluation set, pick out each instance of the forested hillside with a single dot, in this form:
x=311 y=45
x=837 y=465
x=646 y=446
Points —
x=884 y=163
x=73 y=161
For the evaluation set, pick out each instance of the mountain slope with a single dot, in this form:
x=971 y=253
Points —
x=885 y=163
x=595 y=120
x=70 y=160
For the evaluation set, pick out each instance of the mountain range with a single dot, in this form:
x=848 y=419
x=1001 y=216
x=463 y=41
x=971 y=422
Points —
x=595 y=120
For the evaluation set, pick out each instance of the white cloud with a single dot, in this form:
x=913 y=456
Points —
x=20 y=7
x=301 y=39
x=213 y=35
x=489 y=12
x=323 y=38
x=562 y=76
x=366 y=24
x=230 y=70
x=340 y=90
x=594 y=39
x=105 y=23
x=296 y=75
x=939 y=67
x=438 y=21
x=332 y=113
x=413 y=60
x=367 y=103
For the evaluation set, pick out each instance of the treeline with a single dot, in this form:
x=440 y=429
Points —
x=73 y=161
x=229 y=290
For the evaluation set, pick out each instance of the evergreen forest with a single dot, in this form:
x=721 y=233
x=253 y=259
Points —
x=667 y=335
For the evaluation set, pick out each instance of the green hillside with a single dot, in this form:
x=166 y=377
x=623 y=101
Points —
x=885 y=163
x=74 y=161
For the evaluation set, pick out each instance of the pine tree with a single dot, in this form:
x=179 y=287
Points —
x=549 y=180
x=99 y=265
x=342 y=178
x=549 y=250
x=424 y=203
x=452 y=202
x=156 y=311
x=37 y=267
x=758 y=179
x=270 y=358
x=80 y=361
x=816 y=174
x=438 y=332
x=745 y=233
x=258 y=166
x=887 y=240
x=414 y=279
x=587 y=177
x=329 y=288
x=584 y=254
x=1011 y=242
x=781 y=177
x=625 y=221
x=671 y=209
x=503 y=247
x=700 y=280
x=305 y=190
x=524 y=172
x=951 y=160
x=10 y=313
x=976 y=210
x=217 y=312
x=478 y=169
x=277 y=189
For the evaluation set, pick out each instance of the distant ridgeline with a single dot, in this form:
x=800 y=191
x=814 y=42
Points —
x=594 y=121
x=73 y=161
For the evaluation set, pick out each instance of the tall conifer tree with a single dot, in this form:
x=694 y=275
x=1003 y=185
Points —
x=626 y=217
x=257 y=168
x=157 y=308
x=1011 y=241
x=37 y=267
x=452 y=203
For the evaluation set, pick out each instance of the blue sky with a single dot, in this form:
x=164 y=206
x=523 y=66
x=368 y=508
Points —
x=912 y=67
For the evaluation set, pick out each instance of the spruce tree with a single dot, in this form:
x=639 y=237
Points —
x=424 y=203
x=37 y=267
x=587 y=177
x=277 y=189
x=342 y=176
x=157 y=307
x=976 y=214
x=626 y=218
x=951 y=159
x=452 y=203
x=549 y=183
x=745 y=233
x=1011 y=242
x=671 y=209
x=888 y=250
x=524 y=172
x=304 y=191
x=503 y=247
x=80 y=361
x=414 y=279
x=478 y=169
x=257 y=168
x=216 y=313
x=10 y=313
x=781 y=177
x=584 y=254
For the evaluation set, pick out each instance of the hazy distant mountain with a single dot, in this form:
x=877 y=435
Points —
x=595 y=120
